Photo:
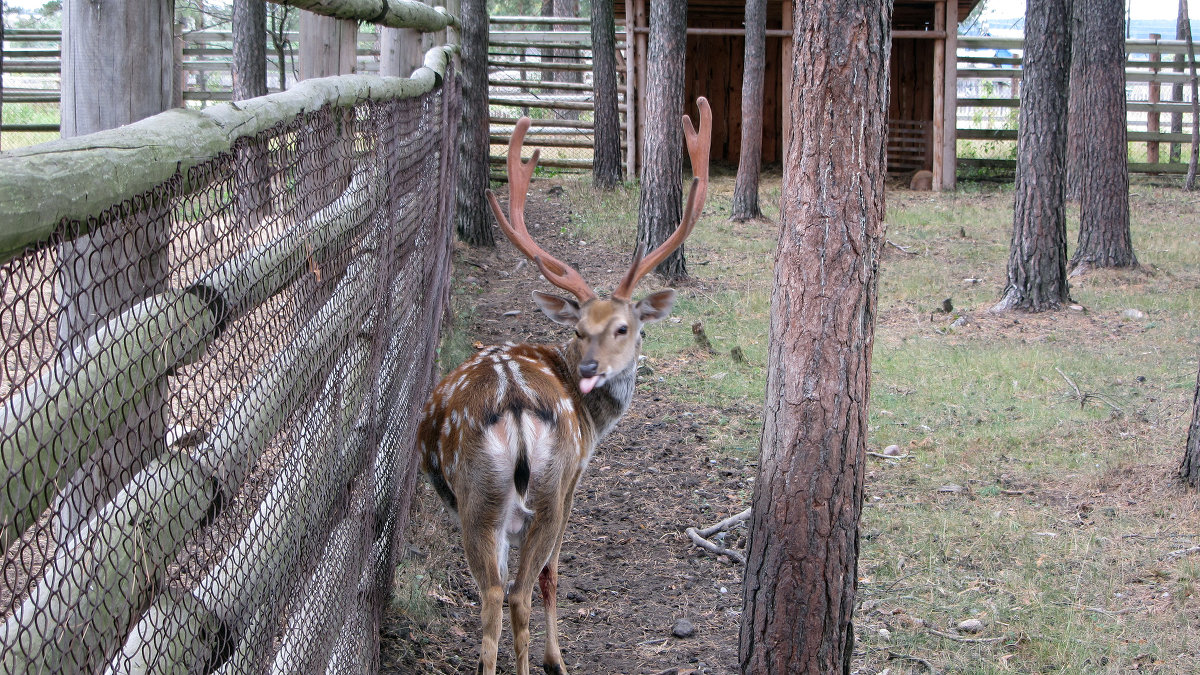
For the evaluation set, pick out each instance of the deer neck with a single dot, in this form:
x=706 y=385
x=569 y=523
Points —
x=607 y=403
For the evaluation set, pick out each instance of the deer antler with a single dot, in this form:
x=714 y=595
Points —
x=699 y=145
x=519 y=173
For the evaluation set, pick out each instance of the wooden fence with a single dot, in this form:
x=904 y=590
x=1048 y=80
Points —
x=305 y=238
x=989 y=85
x=541 y=67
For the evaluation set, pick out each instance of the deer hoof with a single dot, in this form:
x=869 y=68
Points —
x=554 y=669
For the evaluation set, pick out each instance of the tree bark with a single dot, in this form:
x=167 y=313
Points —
x=253 y=193
x=1104 y=238
x=124 y=260
x=279 y=17
x=1037 y=259
x=1189 y=470
x=567 y=8
x=606 y=159
x=1177 y=88
x=1077 y=138
x=473 y=221
x=249 y=49
x=745 y=189
x=1190 y=183
x=660 y=208
x=801 y=569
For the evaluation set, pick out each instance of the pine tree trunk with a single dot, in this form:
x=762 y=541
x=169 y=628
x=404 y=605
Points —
x=606 y=159
x=801 y=569
x=1177 y=88
x=1189 y=470
x=1077 y=138
x=570 y=9
x=1104 y=238
x=745 y=189
x=101 y=273
x=249 y=49
x=253 y=195
x=1037 y=260
x=660 y=208
x=474 y=222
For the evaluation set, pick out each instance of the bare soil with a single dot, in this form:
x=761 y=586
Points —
x=628 y=572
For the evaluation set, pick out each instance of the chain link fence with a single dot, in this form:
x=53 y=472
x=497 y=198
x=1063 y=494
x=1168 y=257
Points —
x=210 y=389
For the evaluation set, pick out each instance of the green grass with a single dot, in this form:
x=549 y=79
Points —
x=1067 y=508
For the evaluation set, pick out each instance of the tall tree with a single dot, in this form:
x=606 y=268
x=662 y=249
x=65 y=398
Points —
x=1077 y=139
x=606 y=159
x=801 y=563
x=1177 y=88
x=249 y=49
x=659 y=208
x=1189 y=469
x=280 y=20
x=1104 y=238
x=1190 y=183
x=1037 y=258
x=253 y=195
x=745 y=189
x=121 y=262
x=473 y=220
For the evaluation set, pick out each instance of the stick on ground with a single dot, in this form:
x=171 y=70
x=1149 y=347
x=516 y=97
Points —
x=700 y=537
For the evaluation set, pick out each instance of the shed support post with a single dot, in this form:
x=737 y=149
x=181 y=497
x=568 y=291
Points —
x=949 y=148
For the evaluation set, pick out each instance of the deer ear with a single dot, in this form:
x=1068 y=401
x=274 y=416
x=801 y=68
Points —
x=655 y=307
x=560 y=310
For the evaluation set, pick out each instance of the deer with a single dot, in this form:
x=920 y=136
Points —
x=505 y=437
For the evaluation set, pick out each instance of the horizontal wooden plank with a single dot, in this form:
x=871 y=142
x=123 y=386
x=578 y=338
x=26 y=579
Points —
x=545 y=123
x=513 y=64
x=550 y=162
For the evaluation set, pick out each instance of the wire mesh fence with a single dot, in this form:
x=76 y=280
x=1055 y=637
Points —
x=209 y=396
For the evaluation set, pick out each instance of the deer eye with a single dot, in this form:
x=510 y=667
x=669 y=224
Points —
x=622 y=330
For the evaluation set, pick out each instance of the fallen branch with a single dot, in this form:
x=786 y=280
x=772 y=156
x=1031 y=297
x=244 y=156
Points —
x=959 y=638
x=883 y=456
x=1078 y=394
x=1182 y=552
x=1083 y=397
x=909 y=657
x=700 y=537
x=902 y=249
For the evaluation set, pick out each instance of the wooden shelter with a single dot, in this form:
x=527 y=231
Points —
x=922 y=110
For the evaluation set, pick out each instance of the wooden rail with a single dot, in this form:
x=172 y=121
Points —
x=1145 y=71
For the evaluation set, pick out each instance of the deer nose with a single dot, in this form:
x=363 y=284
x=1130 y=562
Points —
x=588 y=368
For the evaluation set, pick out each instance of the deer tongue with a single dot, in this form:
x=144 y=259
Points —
x=588 y=383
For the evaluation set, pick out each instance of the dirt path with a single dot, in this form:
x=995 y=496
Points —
x=628 y=571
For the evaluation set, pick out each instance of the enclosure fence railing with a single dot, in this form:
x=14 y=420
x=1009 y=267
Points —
x=1158 y=103
x=219 y=328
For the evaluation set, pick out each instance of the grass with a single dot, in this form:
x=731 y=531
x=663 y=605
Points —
x=1047 y=517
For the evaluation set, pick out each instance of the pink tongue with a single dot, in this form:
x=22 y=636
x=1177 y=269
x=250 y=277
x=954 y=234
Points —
x=587 y=383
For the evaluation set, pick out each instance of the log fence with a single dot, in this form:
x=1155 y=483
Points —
x=308 y=234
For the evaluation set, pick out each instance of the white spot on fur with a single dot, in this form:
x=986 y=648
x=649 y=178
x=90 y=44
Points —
x=502 y=381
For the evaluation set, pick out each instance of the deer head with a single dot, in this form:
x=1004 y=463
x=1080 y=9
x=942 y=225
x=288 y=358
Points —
x=607 y=331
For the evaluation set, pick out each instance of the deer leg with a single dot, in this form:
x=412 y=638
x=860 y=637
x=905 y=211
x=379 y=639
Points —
x=540 y=542
x=548 y=582
x=552 y=661
x=481 y=554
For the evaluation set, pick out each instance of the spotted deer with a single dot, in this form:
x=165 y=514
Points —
x=506 y=436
